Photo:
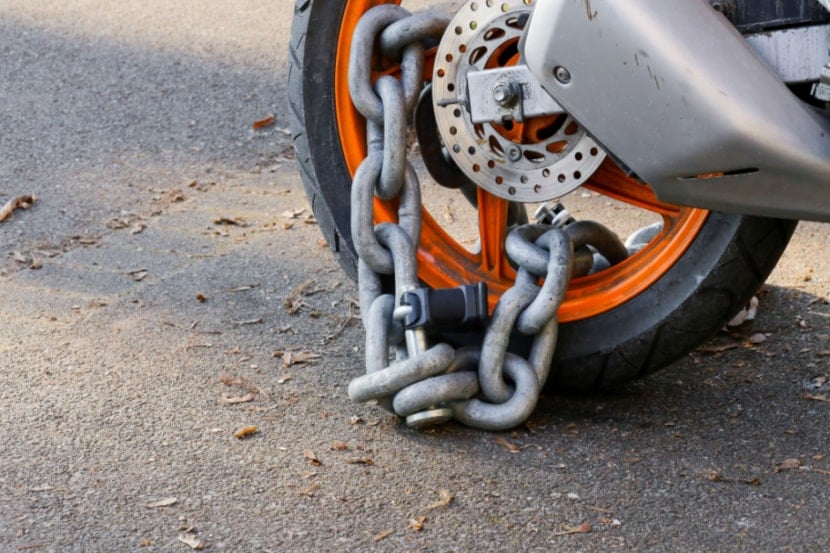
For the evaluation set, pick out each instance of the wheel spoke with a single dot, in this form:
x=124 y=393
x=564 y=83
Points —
x=609 y=180
x=492 y=229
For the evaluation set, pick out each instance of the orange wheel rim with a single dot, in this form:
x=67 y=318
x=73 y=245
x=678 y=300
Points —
x=443 y=262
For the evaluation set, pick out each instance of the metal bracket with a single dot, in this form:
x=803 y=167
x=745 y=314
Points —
x=509 y=93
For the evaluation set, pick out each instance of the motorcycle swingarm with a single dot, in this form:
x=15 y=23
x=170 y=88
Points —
x=676 y=94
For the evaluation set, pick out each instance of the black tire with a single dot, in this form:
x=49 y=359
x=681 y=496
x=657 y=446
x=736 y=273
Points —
x=727 y=262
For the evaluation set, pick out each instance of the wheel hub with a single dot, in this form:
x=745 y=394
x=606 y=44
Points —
x=530 y=160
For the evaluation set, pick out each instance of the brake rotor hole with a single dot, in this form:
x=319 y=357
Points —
x=594 y=151
x=511 y=191
x=494 y=34
x=499 y=180
x=537 y=188
x=456 y=112
x=505 y=7
x=456 y=148
x=449 y=57
x=453 y=130
x=491 y=164
x=474 y=6
x=561 y=178
x=557 y=147
x=471 y=150
x=477 y=54
x=476 y=168
x=577 y=175
x=458 y=30
x=495 y=147
x=545 y=173
x=440 y=73
x=450 y=87
x=572 y=129
x=523 y=179
x=462 y=48
x=534 y=157
x=578 y=156
x=473 y=25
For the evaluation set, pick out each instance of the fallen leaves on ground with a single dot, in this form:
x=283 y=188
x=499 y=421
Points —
x=265 y=122
x=717 y=476
x=20 y=202
x=231 y=221
x=816 y=397
x=511 y=447
x=757 y=338
x=583 y=528
x=312 y=458
x=138 y=274
x=247 y=322
x=166 y=502
x=233 y=400
x=309 y=491
x=245 y=432
x=381 y=535
x=338 y=445
x=190 y=539
x=711 y=350
x=417 y=523
x=291 y=358
x=368 y=461
x=787 y=464
x=446 y=498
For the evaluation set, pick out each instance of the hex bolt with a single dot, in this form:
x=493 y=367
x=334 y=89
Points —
x=562 y=75
x=505 y=93
x=514 y=153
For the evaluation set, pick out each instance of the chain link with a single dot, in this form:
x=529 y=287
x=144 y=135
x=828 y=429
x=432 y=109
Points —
x=488 y=387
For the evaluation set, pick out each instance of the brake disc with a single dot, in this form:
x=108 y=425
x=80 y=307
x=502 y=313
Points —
x=533 y=160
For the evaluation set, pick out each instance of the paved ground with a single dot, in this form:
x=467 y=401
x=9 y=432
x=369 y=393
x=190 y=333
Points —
x=121 y=357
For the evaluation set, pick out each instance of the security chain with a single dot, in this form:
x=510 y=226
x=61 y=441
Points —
x=488 y=387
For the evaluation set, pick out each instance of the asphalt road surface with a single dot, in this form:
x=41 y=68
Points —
x=168 y=289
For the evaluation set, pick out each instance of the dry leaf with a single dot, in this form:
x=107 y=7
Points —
x=308 y=454
x=166 y=502
x=381 y=535
x=237 y=222
x=417 y=523
x=20 y=202
x=233 y=400
x=309 y=491
x=19 y=257
x=245 y=432
x=249 y=322
x=292 y=213
x=291 y=358
x=512 y=448
x=816 y=397
x=139 y=274
x=285 y=379
x=757 y=338
x=339 y=446
x=711 y=350
x=266 y=121
x=583 y=528
x=361 y=461
x=446 y=499
x=190 y=539
x=787 y=464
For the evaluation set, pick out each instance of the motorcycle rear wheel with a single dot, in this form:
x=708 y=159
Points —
x=619 y=324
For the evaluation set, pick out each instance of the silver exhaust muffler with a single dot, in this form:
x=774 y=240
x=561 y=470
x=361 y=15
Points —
x=676 y=94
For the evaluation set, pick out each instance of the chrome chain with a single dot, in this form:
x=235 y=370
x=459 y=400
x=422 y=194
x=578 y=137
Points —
x=488 y=387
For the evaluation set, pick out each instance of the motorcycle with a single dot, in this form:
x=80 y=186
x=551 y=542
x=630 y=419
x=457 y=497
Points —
x=698 y=128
